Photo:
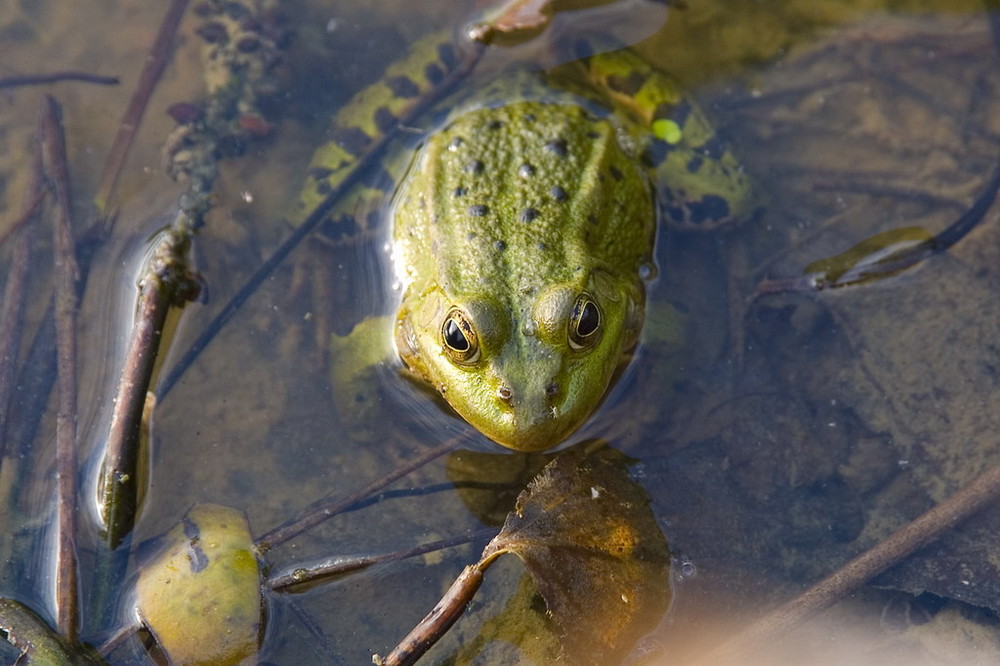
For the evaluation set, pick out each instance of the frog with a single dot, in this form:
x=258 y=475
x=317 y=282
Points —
x=523 y=226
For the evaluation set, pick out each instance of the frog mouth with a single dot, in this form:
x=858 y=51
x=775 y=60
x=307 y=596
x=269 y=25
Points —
x=526 y=419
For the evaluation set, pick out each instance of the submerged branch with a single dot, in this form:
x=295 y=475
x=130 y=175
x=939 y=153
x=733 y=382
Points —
x=439 y=620
x=15 y=292
x=900 y=544
x=56 y=77
x=156 y=62
x=879 y=265
x=67 y=275
x=331 y=506
x=27 y=212
x=339 y=566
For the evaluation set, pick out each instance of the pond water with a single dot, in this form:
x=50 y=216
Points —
x=776 y=436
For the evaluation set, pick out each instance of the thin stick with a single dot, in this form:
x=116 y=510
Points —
x=901 y=543
x=12 y=311
x=56 y=77
x=67 y=274
x=314 y=219
x=26 y=213
x=898 y=261
x=156 y=62
x=165 y=282
x=438 y=621
x=330 y=506
x=338 y=566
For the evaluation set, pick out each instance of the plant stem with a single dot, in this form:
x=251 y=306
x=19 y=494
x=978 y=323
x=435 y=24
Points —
x=12 y=311
x=339 y=566
x=56 y=77
x=438 y=621
x=156 y=62
x=900 y=544
x=165 y=283
x=330 y=506
x=67 y=274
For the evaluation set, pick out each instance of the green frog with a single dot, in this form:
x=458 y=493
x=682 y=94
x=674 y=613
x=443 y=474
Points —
x=523 y=230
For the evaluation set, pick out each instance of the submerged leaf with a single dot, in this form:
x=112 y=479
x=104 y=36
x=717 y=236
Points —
x=882 y=255
x=38 y=642
x=587 y=536
x=201 y=597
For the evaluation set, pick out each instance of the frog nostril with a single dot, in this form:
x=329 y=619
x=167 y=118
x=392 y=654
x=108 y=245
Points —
x=504 y=393
x=552 y=389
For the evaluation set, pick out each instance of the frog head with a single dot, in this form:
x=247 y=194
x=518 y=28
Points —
x=525 y=373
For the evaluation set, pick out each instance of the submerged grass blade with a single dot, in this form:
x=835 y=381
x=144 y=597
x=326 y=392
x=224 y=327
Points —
x=67 y=276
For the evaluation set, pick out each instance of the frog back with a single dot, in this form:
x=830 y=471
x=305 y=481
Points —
x=522 y=195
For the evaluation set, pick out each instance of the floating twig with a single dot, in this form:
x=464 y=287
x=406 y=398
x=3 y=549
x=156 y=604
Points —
x=166 y=282
x=67 y=275
x=331 y=506
x=156 y=62
x=900 y=544
x=56 y=77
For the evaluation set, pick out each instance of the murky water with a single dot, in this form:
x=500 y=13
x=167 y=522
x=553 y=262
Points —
x=776 y=436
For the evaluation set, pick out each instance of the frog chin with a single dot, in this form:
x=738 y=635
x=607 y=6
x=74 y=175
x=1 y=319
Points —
x=531 y=408
x=521 y=427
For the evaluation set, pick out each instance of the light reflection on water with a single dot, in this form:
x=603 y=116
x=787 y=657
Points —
x=251 y=424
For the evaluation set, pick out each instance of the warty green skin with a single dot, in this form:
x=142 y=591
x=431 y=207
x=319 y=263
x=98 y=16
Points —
x=511 y=214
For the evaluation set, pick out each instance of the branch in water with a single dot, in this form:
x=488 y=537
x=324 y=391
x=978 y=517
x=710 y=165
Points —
x=900 y=544
x=67 y=275
x=166 y=282
x=56 y=77
x=12 y=310
x=156 y=62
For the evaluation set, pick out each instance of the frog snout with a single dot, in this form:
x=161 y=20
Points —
x=529 y=404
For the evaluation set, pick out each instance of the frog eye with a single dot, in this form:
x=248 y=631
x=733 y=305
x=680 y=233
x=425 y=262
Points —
x=459 y=337
x=584 y=323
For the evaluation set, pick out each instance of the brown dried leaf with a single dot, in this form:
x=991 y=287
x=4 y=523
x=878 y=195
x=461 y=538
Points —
x=522 y=19
x=585 y=532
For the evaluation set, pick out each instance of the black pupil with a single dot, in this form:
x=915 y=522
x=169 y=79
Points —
x=454 y=336
x=589 y=319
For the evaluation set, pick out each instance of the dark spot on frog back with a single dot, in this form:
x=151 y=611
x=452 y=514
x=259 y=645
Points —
x=433 y=73
x=627 y=85
x=352 y=139
x=385 y=119
x=655 y=153
x=557 y=147
x=446 y=54
x=710 y=208
x=403 y=86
